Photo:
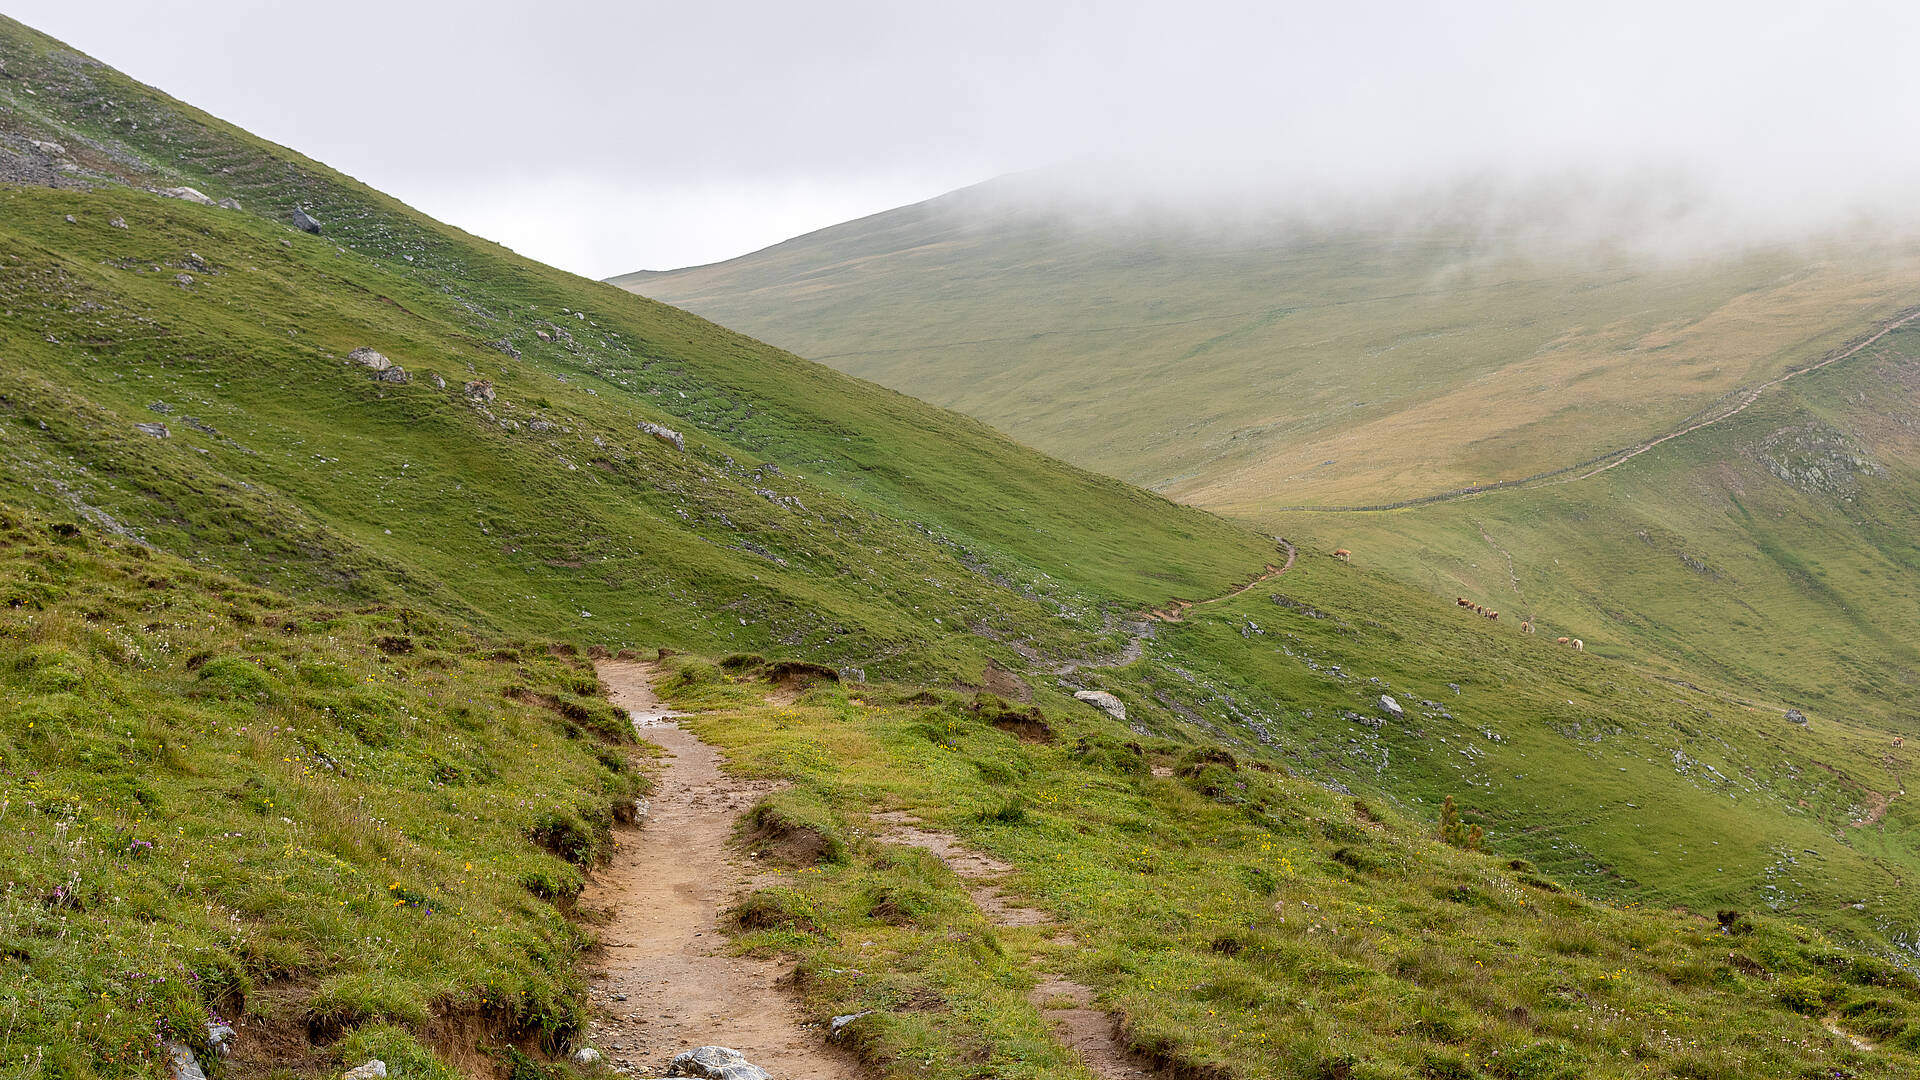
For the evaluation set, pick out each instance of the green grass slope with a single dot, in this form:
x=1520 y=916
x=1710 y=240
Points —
x=178 y=387
x=353 y=827
x=806 y=508
x=1242 y=923
x=1774 y=551
x=1250 y=364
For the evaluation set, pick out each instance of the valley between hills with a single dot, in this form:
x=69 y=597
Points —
x=416 y=654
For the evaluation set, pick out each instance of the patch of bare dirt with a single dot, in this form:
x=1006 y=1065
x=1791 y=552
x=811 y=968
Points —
x=666 y=983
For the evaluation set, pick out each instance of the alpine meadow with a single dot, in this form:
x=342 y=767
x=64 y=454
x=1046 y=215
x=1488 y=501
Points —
x=1004 y=642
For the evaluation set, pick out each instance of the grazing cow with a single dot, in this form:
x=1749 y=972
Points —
x=1579 y=646
x=1563 y=641
x=1526 y=627
x=1898 y=741
x=1461 y=601
x=1494 y=615
x=1343 y=554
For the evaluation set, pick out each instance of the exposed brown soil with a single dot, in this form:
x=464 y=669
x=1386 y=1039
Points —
x=1089 y=1031
x=666 y=983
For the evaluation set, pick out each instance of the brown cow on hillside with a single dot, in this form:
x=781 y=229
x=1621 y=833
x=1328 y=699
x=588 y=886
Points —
x=1562 y=641
x=1579 y=646
x=1343 y=554
x=1526 y=627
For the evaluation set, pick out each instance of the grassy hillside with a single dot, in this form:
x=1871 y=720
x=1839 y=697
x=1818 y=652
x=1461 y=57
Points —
x=1250 y=365
x=1239 y=922
x=1773 y=551
x=223 y=522
x=323 y=824
x=805 y=509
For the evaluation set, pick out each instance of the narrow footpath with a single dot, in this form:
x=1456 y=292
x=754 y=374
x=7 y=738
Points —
x=667 y=983
x=1088 y=1031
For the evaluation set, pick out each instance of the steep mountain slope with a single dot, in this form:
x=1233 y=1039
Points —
x=506 y=478
x=1249 y=363
x=532 y=455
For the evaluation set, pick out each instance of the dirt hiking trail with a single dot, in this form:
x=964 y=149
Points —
x=1088 y=1031
x=668 y=984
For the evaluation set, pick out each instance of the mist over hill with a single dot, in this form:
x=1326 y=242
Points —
x=317 y=516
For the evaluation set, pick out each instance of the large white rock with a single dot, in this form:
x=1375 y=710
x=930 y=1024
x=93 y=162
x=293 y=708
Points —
x=189 y=194
x=664 y=434
x=1103 y=701
x=372 y=1070
x=716 y=1063
x=1392 y=707
x=369 y=358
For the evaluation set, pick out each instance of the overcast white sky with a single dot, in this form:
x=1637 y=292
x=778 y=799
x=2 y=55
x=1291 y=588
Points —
x=605 y=137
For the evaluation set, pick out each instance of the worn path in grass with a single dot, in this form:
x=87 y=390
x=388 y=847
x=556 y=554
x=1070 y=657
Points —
x=1177 y=610
x=668 y=984
x=1090 y=1032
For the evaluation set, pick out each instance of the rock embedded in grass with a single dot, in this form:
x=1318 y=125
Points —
x=1103 y=701
x=664 y=434
x=367 y=1071
x=187 y=194
x=1392 y=707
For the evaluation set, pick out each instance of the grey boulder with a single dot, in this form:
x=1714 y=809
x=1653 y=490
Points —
x=1795 y=716
x=1103 y=701
x=158 y=431
x=371 y=1070
x=305 y=222
x=664 y=434
x=188 y=194
x=716 y=1063
x=181 y=1064
x=1392 y=707
x=369 y=358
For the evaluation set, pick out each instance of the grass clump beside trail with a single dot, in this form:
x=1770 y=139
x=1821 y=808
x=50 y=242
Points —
x=325 y=824
x=1244 y=924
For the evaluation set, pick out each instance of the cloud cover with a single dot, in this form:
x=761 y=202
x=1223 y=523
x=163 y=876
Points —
x=607 y=137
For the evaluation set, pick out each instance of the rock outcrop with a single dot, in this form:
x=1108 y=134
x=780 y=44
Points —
x=367 y=357
x=478 y=390
x=1392 y=707
x=664 y=434
x=187 y=194
x=305 y=222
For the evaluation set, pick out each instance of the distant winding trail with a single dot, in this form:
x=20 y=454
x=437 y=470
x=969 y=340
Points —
x=1750 y=396
x=1176 y=611
x=1615 y=458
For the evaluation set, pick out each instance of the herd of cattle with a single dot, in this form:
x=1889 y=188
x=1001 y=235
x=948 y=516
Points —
x=1526 y=625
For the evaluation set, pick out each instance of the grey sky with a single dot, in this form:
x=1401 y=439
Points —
x=607 y=137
